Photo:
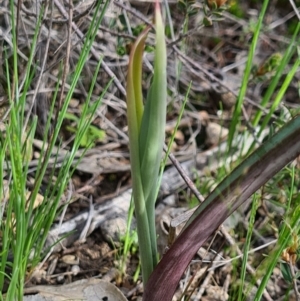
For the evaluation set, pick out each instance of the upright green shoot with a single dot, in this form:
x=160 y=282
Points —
x=146 y=138
x=238 y=106
x=247 y=245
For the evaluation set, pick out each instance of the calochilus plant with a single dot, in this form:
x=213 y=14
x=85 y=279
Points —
x=146 y=128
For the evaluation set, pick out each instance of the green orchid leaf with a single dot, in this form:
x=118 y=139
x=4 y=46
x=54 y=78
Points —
x=146 y=127
x=152 y=132
x=135 y=109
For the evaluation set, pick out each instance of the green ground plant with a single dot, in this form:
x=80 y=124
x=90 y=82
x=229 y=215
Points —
x=25 y=224
x=146 y=138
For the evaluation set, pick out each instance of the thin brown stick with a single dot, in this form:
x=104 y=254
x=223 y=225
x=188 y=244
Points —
x=62 y=21
x=185 y=177
x=43 y=66
x=93 y=51
x=134 y=13
x=66 y=65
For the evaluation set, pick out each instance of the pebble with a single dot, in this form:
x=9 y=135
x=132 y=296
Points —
x=113 y=229
x=75 y=269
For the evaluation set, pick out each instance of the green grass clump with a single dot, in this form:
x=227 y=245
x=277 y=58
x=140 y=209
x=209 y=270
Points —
x=25 y=223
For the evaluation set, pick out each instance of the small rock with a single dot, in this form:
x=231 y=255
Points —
x=216 y=293
x=75 y=269
x=170 y=200
x=74 y=103
x=179 y=137
x=228 y=100
x=113 y=229
x=215 y=133
x=204 y=117
x=60 y=279
x=39 y=275
x=70 y=259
